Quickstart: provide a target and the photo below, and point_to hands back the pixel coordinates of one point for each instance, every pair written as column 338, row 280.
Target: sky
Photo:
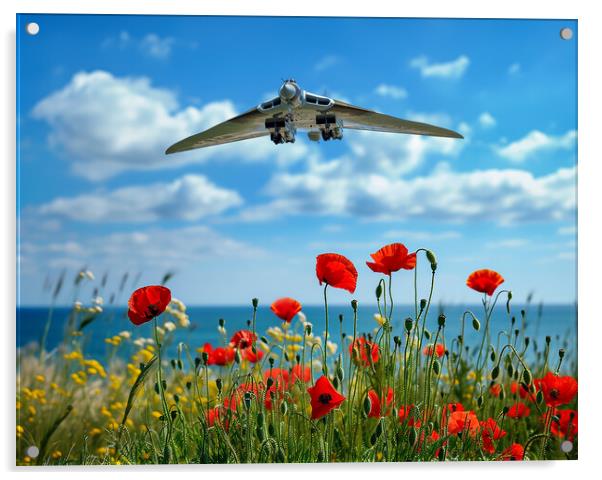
column 101, row 97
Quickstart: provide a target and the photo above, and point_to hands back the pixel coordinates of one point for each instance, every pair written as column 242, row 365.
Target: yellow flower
column 20, row 431
column 32, row 410
column 73, row 356
column 79, row 377
column 378, row 318
column 106, row 412
column 96, row 367
column 157, row 414
column 40, row 378
column 101, row 450
column 57, row 454
column 471, row 375
column 26, row 459
column 95, row 431
column 18, row 405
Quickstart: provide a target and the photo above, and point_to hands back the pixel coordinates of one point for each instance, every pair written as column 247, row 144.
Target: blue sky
column 101, row 97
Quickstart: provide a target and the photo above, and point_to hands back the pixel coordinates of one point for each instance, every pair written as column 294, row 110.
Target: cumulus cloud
column 418, row 235
column 452, row 69
column 155, row 46
column 105, row 125
column 391, row 91
column 187, row 198
column 508, row 243
column 153, row 248
column 501, row 196
column 486, row 120
column 536, row 142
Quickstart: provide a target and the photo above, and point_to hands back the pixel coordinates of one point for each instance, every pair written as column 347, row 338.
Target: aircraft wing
column 358, row 118
column 247, row 125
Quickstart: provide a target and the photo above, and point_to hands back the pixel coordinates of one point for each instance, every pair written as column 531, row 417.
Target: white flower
column 125, row 334
column 98, row 300
column 77, row 306
column 378, row 318
column 332, row 347
column 89, row 274
column 169, row 326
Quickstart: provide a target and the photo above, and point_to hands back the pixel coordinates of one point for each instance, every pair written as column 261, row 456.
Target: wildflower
column 243, row 339
column 300, row 373
column 359, row 352
column 515, row 388
column 392, row 258
column 439, row 350
column 407, row 413
column 95, row 431
column 519, row 410
column 490, row 431
column 557, row 390
column 74, row 355
column 286, row 308
column 178, row 304
column 495, row 389
column 331, row 347
column 20, row 431
column 378, row 318
column 337, row 271
column 324, row 398
column 251, row 356
column 514, row 452
column 566, row 425
column 125, row 334
column 375, row 405
column 57, row 454
column 484, row 281
column 147, row 303
column 156, row 414
column 169, row 326
column 450, row 407
column 460, row 421
column 219, row 356
column 276, row 333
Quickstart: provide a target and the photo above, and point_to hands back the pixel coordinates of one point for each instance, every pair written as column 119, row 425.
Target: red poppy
column 407, row 413
column 219, row 356
column 495, row 389
column 375, row 406
column 514, row 452
column 359, row 352
column 217, row 414
column 450, row 407
column 280, row 377
column 432, row 438
column 557, row 390
column 392, row 258
column 522, row 391
column 337, row 271
column 519, row 410
column 147, row 303
column 243, row 339
column 253, row 357
column 286, row 308
column 490, row 431
column 439, row 350
column 299, row 373
column 324, row 398
column 484, row 281
column 566, row 426
column 460, row 422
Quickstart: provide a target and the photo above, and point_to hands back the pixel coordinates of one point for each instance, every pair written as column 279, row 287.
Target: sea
column 559, row 322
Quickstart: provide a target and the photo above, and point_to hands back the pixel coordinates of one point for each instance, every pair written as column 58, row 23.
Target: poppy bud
column 539, row 397
column 427, row 334
column 492, row 356
column 354, row 305
column 367, row 406
column 379, row 428
column 157, row 391
column 260, row 432
column 460, row 339
column 480, row 401
column 508, row 302
column 188, row 385
column 397, row 340
column 176, row 398
column 527, row 377
column 335, row 383
column 174, row 414
column 412, row 436
column 561, row 353
column 247, row 400
column 436, row 367
column 263, row 340
column 286, row 357
column 271, row 429
column 180, row 365
column 502, row 392
column 495, row 372
column 513, row 321
column 237, row 357
column 527, row 340
column 164, row 384
column 409, row 323
column 510, row 370
column 269, row 382
column 340, row 373
column 432, row 259
column 379, row 290
column 308, row 329
column 283, row 408
column 505, row 410
column 221, row 322
column 422, row 304
column 205, row 357
column 219, row 384
column 255, row 302
column 173, row 363
column 197, row 362
column 373, row 439
column 476, row 324
column 441, row 320
column 548, row 339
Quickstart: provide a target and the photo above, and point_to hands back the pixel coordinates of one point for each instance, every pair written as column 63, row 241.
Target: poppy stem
column 325, row 367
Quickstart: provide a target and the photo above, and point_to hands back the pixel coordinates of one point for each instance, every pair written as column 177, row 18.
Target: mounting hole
column 566, row 446
column 32, row 28
column 566, row 33
column 32, row 451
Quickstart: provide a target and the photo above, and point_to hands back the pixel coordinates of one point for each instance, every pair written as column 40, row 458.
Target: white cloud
column 187, row 198
column 391, row 91
column 156, row 46
column 417, row 235
column 508, row 243
column 452, row 69
column 568, row 230
column 500, row 196
column 536, row 142
column 105, row 125
column 326, row 63
column 486, row 120
column 147, row 249
column 514, row 69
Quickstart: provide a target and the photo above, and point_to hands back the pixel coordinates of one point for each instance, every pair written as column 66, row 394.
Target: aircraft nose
column 287, row 91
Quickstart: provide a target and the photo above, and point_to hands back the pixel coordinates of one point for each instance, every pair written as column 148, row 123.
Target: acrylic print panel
column 238, row 244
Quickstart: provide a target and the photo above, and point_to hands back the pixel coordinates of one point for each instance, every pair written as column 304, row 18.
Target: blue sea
column 557, row 321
